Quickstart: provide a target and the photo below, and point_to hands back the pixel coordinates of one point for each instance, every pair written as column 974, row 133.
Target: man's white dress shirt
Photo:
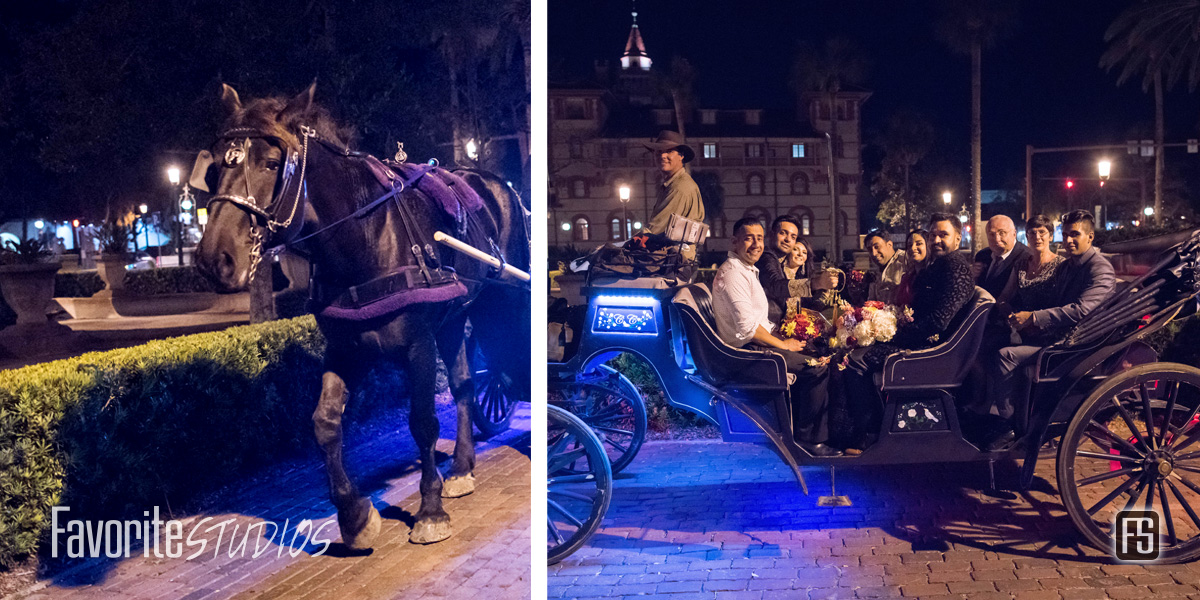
column 739, row 302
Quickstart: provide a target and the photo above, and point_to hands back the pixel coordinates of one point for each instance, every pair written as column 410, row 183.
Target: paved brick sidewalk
column 714, row 520
column 488, row 557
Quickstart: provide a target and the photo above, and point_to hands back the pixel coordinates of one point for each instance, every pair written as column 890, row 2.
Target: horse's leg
column 452, row 345
column 433, row 524
column 357, row 518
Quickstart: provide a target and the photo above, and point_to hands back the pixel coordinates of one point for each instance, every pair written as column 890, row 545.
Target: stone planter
column 28, row 289
column 112, row 271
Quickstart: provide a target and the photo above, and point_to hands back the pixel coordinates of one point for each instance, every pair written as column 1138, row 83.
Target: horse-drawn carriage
column 1126, row 425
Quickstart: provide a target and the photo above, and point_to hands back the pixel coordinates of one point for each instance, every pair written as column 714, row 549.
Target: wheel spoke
column 1187, row 423
column 567, row 479
column 566, row 515
column 1188, row 468
column 1150, row 496
column 614, row 430
column 1148, row 416
column 558, row 538
column 1125, row 416
column 1186, row 507
column 1112, row 495
column 1116, row 439
column 1114, row 457
column 573, row 496
column 1106, row 476
column 565, row 459
column 616, row 445
column 1185, row 481
column 1136, row 495
column 1166, row 505
column 1172, row 394
column 1191, row 437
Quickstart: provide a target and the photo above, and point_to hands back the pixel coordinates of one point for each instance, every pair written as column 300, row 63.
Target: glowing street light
column 946, row 198
column 566, row 226
column 1148, row 211
column 472, row 150
column 623, row 191
column 1104, row 167
column 173, row 175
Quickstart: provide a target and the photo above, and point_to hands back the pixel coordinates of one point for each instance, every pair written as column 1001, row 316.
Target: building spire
column 635, row 49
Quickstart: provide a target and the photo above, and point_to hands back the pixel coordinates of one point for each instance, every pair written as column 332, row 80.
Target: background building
column 749, row 161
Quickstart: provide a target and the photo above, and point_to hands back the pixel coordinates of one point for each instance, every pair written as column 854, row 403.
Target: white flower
column 912, row 412
column 901, row 424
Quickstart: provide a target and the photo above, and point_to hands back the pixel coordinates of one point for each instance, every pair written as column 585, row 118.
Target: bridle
column 280, row 228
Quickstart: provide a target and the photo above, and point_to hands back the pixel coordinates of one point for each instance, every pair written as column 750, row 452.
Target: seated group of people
column 1039, row 295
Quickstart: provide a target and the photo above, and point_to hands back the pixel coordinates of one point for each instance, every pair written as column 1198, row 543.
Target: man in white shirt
column 740, row 306
column 892, row 265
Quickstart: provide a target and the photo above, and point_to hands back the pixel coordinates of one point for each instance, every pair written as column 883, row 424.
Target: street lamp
column 472, row 150
column 1104, row 167
column 624, row 191
column 173, row 177
column 946, row 198
column 143, row 209
column 1148, row 211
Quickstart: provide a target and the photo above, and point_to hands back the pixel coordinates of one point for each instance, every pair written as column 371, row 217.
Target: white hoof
column 365, row 538
column 457, row 487
column 429, row 531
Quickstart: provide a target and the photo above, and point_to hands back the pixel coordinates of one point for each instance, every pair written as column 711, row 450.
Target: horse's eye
column 272, row 165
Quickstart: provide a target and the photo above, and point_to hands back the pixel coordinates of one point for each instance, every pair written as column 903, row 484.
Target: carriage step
column 833, row 499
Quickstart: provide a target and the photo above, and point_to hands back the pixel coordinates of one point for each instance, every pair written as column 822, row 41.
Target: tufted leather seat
column 720, row 364
column 946, row 364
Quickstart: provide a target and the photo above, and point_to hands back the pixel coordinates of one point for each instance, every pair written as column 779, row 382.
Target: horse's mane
column 264, row 114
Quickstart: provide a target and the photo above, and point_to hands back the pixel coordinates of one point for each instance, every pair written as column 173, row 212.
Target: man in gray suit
column 1083, row 281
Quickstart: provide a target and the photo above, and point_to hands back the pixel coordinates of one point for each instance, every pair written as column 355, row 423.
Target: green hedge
column 77, row 284
column 166, row 280
column 115, row 433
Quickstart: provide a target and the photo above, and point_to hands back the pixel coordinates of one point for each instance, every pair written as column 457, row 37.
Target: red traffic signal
column 1070, row 183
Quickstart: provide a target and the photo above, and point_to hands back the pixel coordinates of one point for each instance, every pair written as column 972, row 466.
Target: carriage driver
column 740, row 306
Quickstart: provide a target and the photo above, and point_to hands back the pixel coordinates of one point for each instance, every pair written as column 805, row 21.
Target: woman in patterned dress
column 1035, row 279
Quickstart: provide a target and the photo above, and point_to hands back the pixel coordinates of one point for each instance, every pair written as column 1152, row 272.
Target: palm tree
column 907, row 139
column 827, row 70
column 1159, row 41
column 678, row 82
column 968, row 27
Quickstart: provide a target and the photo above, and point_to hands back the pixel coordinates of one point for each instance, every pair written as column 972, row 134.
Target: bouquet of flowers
column 872, row 322
column 804, row 325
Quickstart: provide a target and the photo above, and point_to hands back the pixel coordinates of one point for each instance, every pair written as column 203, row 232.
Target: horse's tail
column 508, row 213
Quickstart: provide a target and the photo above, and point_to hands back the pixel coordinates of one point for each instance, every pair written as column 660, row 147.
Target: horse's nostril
column 226, row 266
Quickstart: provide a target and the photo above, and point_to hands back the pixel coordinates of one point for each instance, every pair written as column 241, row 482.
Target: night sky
column 1041, row 85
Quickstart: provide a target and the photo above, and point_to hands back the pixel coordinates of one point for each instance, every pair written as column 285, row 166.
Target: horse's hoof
column 431, row 530
column 366, row 538
column 457, row 487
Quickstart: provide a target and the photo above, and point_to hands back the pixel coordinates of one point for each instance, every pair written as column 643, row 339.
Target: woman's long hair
column 806, row 269
column 908, row 242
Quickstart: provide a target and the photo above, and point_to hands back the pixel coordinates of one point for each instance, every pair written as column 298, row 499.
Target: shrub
column 79, row 284
column 111, row 434
column 662, row 416
column 168, row 280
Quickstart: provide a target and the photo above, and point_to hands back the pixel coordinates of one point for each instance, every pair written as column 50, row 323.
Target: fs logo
column 1136, row 535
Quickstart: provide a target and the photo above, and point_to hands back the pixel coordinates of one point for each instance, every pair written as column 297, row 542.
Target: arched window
column 579, row 231
column 805, row 215
column 800, row 184
column 718, row 226
column 615, row 230
column 579, row 188
column 754, row 184
column 759, row 214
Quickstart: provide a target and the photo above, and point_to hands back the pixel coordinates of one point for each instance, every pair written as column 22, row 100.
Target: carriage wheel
column 575, row 501
column 1131, row 445
column 604, row 402
column 495, row 400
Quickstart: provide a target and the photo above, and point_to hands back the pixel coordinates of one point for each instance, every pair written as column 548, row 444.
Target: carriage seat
column 720, row 364
column 946, row 364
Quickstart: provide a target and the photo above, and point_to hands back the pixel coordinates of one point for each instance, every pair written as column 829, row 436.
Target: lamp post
column 624, row 191
column 1104, row 169
column 946, row 198
column 143, row 209
column 173, row 177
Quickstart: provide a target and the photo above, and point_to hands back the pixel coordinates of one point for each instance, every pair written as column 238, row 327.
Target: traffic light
column 1070, row 183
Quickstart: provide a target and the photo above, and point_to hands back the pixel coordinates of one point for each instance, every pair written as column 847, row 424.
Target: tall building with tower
column 750, row 161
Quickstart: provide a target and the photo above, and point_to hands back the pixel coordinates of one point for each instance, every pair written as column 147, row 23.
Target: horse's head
column 255, row 177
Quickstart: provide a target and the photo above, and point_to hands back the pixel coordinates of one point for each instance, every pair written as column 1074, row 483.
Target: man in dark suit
column 996, row 266
column 785, row 233
column 939, row 292
column 1083, row 282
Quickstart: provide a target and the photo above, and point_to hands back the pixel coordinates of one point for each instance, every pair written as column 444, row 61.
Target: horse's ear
column 229, row 98
column 301, row 103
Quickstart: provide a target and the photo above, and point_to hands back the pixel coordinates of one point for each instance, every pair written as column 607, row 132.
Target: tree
column 969, row 27
column 678, row 82
column 827, row 70
column 906, row 141
column 1157, row 40
column 712, row 192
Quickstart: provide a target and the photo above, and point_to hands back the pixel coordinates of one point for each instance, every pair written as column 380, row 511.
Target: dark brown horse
column 382, row 289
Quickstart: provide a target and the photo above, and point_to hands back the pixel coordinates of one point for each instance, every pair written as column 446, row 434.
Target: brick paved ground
column 488, row 557
column 702, row 520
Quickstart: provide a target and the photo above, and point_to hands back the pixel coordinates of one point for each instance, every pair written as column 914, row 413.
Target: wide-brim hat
column 671, row 140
